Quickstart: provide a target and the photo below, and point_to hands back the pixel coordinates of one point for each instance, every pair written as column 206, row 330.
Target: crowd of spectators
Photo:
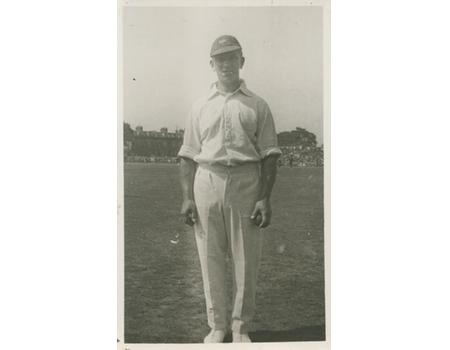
column 146, row 159
column 299, row 147
column 298, row 156
column 292, row 156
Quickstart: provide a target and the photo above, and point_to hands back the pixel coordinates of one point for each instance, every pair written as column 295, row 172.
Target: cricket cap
column 224, row 43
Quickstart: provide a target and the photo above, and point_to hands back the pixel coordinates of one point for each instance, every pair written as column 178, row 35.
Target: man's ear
column 242, row 61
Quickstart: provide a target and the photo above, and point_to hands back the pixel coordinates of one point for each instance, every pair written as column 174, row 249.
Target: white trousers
column 225, row 198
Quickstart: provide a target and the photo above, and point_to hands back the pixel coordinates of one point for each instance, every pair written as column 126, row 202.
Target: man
column 228, row 168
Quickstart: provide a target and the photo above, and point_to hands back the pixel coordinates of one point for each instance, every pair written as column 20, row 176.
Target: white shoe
column 215, row 336
column 241, row 338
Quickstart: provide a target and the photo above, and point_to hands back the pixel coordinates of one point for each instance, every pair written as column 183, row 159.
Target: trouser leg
column 212, row 247
column 246, row 252
column 245, row 241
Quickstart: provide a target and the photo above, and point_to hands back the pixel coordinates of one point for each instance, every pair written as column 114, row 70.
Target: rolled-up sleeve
column 191, row 140
column 266, row 135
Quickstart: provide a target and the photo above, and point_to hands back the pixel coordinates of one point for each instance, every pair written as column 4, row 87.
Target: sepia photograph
column 223, row 155
column 166, row 178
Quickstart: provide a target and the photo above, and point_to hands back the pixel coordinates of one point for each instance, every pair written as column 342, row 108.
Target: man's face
column 227, row 66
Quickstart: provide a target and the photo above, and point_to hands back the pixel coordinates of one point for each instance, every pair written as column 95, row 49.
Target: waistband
column 235, row 169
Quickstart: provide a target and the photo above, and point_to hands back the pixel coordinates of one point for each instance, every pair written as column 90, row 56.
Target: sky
column 166, row 62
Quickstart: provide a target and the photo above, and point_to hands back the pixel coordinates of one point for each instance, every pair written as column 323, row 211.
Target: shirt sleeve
column 191, row 140
column 266, row 135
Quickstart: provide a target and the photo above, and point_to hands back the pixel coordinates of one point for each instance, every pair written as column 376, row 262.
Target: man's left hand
column 262, row 213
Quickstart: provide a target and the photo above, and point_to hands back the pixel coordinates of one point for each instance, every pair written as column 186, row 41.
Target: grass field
column 164, row 300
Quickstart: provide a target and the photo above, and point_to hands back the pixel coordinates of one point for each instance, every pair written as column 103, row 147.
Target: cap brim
column 224, row 50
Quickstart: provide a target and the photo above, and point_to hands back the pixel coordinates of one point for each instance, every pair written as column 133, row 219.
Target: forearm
column 187, row 175
column 268, row 176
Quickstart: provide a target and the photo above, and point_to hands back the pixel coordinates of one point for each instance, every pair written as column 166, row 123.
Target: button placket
column 227, row 119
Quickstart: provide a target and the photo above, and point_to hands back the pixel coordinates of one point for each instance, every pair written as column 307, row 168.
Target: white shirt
column 229, row 129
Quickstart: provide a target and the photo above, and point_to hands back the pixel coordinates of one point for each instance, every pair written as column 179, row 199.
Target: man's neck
column 228, row 88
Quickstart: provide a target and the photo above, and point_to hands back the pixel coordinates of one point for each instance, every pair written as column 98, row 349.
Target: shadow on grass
column 307, row 333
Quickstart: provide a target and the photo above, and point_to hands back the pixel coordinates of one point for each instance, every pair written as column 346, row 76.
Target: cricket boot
column 215, row 336
column 241, row 338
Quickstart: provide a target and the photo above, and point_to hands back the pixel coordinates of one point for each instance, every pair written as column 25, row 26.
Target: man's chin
column 229, row 80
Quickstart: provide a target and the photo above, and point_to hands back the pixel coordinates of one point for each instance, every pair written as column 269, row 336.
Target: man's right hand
column 189, row 211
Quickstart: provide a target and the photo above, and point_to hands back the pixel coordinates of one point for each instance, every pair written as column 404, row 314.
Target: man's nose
column 225, row 64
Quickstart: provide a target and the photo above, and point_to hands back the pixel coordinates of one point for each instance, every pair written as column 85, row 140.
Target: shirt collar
column 242, row 87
